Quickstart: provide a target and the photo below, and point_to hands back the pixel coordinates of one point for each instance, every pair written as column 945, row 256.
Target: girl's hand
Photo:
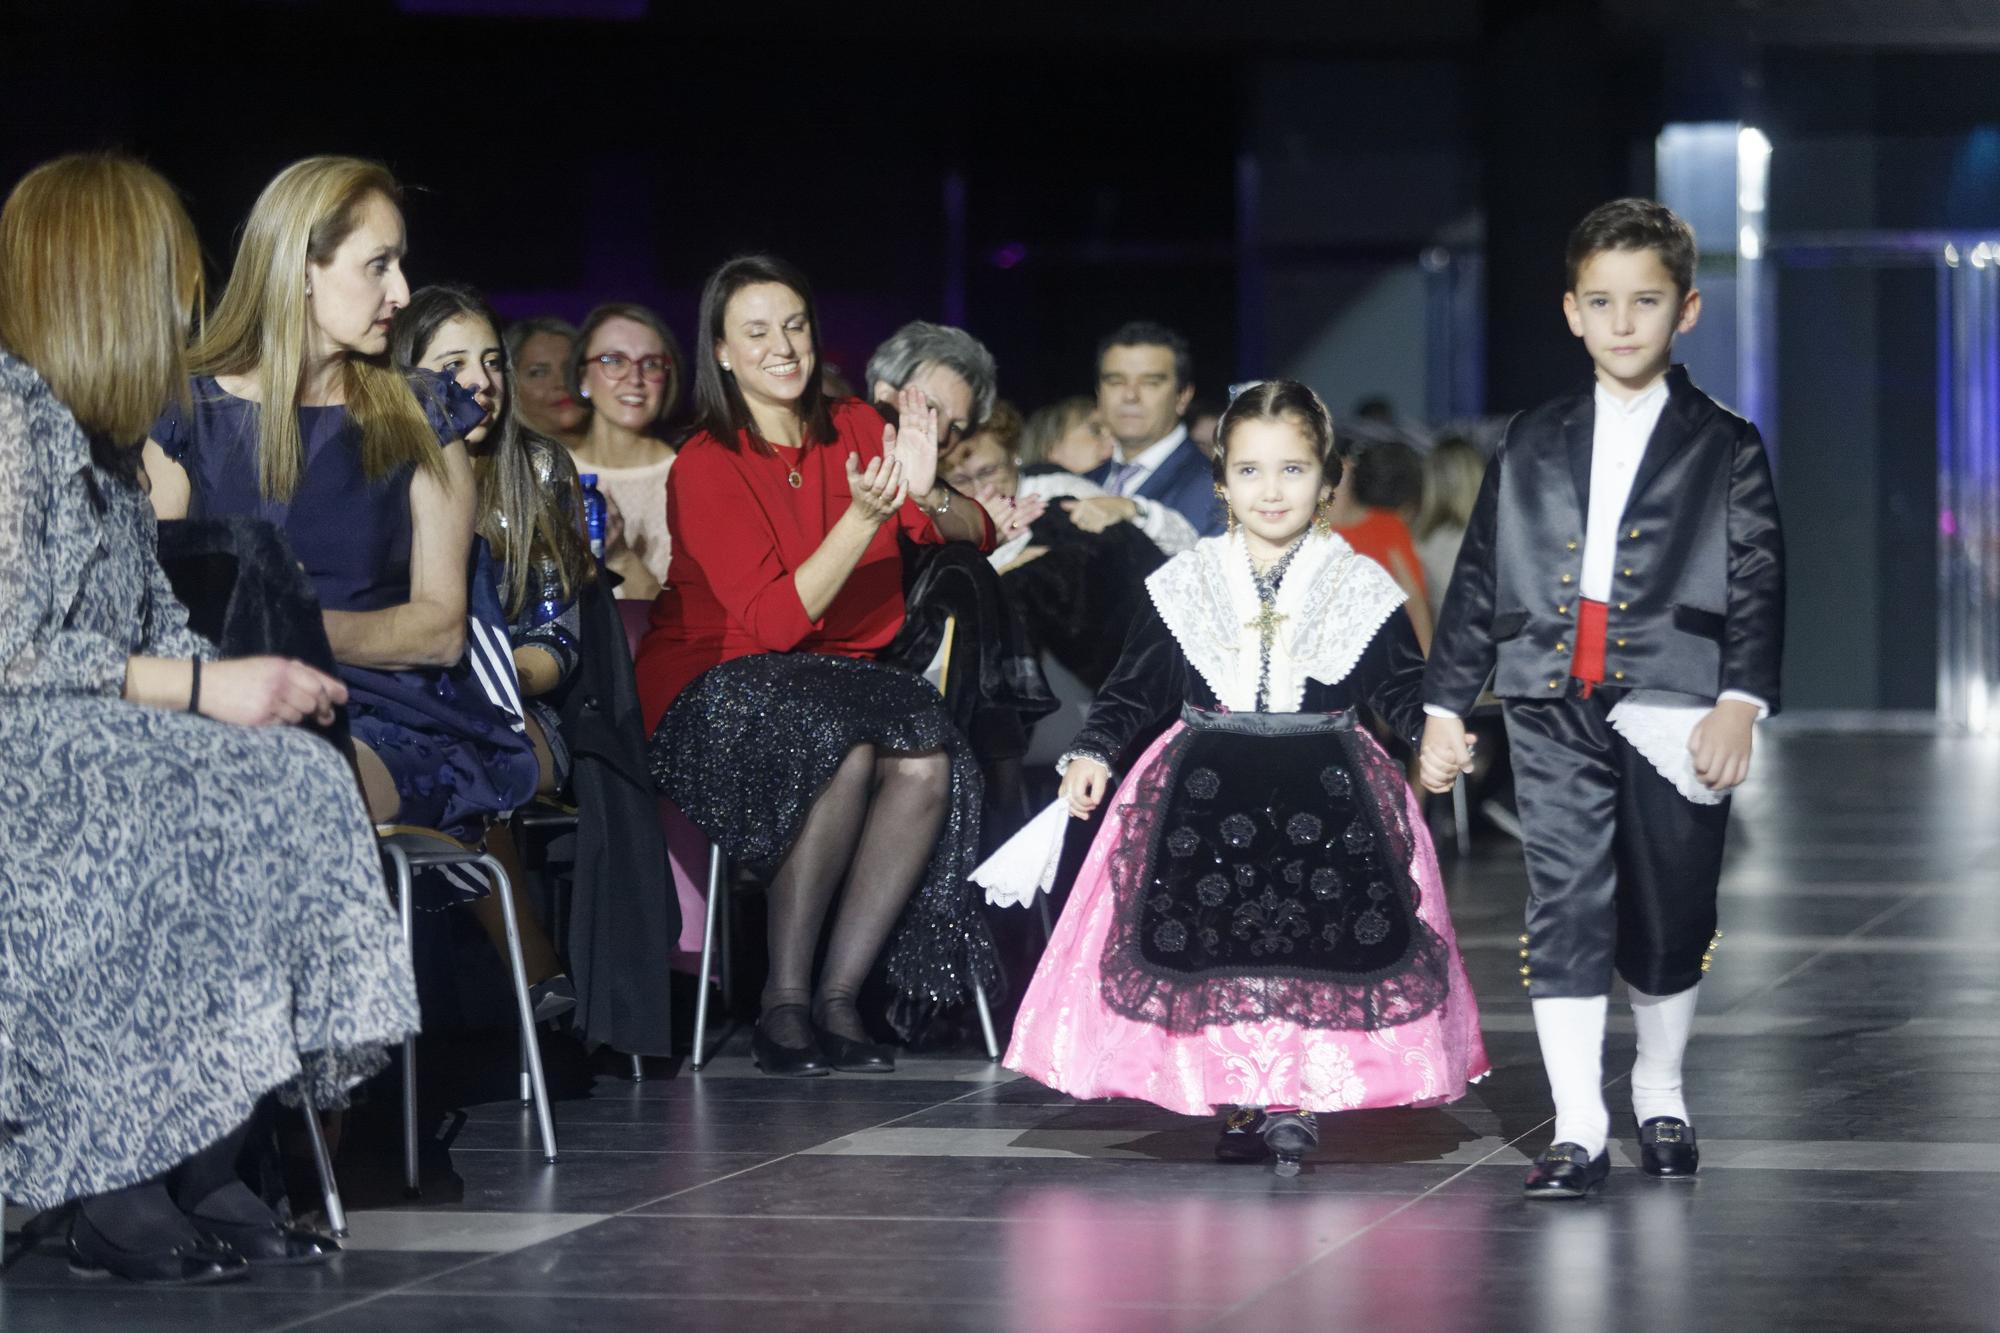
column 1445, row 753
column 914, row 443
column 1083, row 786
column 268, row 691
column 877, row 491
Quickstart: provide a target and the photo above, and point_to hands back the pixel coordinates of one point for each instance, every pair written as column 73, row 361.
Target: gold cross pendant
column 1266, row 624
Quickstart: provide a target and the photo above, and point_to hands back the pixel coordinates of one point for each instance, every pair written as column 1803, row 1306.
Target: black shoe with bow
column 1565, row 1171
column 1667, row 1148
column 1242, row 1138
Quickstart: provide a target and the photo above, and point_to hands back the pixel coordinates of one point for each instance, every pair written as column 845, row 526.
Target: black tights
column 875, row 824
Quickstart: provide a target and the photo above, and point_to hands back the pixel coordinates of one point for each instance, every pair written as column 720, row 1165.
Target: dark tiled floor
column 1846, row 1077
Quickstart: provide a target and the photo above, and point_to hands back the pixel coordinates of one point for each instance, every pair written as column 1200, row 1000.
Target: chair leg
column 700, row 1056
column 985, row 1020
column 336, row 1216
column 638, row 1070
column 497, row 876
column 527, row 1084
column 406, row 906
column 1461, row 816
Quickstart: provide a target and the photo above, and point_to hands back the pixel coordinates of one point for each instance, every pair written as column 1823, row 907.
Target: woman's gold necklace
column 792, row 475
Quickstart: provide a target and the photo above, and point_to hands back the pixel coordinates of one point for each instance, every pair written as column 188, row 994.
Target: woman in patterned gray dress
column 191, row 909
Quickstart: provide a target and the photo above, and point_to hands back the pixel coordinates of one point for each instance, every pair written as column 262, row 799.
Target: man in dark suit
column 1145, row 381
column 1622, row 579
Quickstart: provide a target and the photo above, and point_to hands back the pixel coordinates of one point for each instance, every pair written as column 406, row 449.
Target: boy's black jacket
column 1698, row 587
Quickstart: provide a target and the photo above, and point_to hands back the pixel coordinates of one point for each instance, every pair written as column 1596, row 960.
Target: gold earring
column 1228, row 512
column 1322, row 521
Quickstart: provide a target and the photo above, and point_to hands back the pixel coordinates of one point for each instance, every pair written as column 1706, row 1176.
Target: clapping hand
column 879, row 490
column 914, row 441
column 1012, row 515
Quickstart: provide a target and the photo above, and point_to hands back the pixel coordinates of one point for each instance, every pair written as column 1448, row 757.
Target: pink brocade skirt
column 1066, row 1037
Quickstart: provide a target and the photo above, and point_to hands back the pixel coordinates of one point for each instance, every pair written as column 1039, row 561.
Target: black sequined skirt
column 746, row 750
column 1263, row 871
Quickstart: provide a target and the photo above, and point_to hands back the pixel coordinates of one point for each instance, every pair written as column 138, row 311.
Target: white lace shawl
column 1332, row 601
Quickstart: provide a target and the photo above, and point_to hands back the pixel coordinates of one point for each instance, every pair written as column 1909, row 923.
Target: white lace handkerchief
column 1025, row 864
column 1658, row 727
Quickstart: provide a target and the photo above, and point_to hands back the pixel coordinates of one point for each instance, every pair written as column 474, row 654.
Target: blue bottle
column 593, row 514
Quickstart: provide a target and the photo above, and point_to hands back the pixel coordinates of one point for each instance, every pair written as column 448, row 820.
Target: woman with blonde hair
column 297, row 416
column 1452, row 475
column 191, row 909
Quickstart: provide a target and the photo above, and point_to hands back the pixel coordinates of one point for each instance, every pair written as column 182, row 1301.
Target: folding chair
column 409, row 849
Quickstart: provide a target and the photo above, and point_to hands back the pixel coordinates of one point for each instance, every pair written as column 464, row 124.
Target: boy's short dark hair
column 1145, row 333
column 1634, row 224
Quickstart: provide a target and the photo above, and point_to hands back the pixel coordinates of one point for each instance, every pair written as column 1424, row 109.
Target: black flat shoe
column 1242, row 1138
column 188, row 1264
column 551, row 997
column 1564, row 1171
column 1667, row 1148
column 1290, row 1135
column 270, row 1244
column 806, row 1061
column 854, row 1057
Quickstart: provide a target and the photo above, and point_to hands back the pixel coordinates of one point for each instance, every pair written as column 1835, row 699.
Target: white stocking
column 1571, row 1031
column 1663, row 1023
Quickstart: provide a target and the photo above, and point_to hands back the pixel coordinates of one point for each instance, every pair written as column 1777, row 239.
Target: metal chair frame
column 408, row 850
column 543, row 813
column 717, row 923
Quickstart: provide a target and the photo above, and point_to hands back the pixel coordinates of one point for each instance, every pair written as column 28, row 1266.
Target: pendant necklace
column 1268, row 619
column 792, row 473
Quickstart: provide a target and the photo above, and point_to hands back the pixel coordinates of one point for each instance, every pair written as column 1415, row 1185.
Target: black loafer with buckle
column 1667, row 1148
column 1242, row 1138
column 1565, row 1171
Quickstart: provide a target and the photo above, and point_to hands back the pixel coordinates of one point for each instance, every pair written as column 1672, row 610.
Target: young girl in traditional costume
column 1260, row 924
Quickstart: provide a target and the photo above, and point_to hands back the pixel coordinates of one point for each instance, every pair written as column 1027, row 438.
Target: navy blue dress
column 458, row 758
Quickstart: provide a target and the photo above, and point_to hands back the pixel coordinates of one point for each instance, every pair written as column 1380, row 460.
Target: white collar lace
column 1332, row 602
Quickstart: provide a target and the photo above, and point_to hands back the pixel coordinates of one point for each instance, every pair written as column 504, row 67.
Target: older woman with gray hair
column 950, row 367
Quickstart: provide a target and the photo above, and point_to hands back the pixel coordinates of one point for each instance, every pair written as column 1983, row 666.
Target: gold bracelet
column 942, row 509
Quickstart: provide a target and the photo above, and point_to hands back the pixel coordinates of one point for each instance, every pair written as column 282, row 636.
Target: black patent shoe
column 854, row 1057
column 1290, row 1135
column 191, row 1263
column 1242, row 1138
column 806, row 1061
column 1564, row 1171
column 1667, row 1148
column 270, row 1244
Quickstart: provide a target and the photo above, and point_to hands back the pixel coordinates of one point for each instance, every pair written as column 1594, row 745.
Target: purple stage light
column 622, row 11
column 1010, row 255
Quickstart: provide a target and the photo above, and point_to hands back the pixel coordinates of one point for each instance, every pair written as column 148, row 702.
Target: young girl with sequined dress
column 1260, row 925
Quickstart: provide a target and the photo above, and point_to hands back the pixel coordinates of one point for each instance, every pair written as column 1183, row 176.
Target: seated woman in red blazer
column 778, row 733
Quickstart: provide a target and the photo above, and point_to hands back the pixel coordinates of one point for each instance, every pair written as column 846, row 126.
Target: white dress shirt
column 1128, row 475
column 1617, row 444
